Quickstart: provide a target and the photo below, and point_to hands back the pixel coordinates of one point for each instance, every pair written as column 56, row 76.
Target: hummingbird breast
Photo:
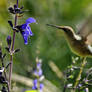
column 78, row 46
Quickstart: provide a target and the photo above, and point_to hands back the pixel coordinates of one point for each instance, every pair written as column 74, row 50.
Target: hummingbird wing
column 89, row 39
column 86, row 29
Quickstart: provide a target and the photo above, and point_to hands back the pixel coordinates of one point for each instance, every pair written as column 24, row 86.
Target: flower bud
column 4, row 89
column 10, row 23
column 9, row 41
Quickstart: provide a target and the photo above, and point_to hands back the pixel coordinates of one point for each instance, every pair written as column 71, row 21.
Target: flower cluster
column 37, row 82
column 24, row 29
column 15, row 10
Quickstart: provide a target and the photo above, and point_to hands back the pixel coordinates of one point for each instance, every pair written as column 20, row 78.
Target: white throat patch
column 77, row 37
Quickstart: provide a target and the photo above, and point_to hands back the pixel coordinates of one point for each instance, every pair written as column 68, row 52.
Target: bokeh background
column 47, row 43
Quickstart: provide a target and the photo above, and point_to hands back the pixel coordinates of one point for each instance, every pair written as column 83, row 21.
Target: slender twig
column 12, row 49
column 79, row 75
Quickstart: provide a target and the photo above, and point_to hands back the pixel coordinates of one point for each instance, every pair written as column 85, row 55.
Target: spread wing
column 89, row 39
column 86, row 30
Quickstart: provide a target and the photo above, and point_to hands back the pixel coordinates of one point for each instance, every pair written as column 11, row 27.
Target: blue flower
column 26, row 30
column 35, row 84
column 39, row 65
column 41, row 87
column 38, row 73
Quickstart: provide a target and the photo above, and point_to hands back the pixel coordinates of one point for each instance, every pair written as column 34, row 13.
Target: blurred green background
column 47, row 43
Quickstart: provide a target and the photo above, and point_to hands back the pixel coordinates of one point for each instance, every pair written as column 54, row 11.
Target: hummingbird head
column 67, row 30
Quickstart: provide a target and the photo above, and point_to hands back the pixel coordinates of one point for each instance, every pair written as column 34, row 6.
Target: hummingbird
column 80, row 42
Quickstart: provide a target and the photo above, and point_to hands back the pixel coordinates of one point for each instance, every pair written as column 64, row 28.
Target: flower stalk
column 79, row 75
column 12, row 49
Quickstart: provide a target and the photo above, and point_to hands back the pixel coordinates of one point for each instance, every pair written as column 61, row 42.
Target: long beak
column 59, row 27
column 64, row 28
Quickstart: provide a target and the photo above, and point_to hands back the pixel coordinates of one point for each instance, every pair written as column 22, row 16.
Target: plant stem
column 79, row 75
column 11, row 51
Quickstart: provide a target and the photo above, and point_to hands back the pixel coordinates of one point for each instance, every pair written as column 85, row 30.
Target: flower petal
column 30, row 20
column 23, row 26
column 29, row 29
column 40, row 72
column 39, row 65
column 41, row 86
column 35, row 84
column 25, row 37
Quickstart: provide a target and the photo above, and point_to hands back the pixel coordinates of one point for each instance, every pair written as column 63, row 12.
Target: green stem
column 79, row 75
column 12, row 49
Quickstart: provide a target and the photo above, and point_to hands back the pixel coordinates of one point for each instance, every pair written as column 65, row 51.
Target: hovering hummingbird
column 80, row 42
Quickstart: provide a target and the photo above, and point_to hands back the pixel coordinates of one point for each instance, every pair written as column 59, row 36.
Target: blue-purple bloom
column 41, row 87
column 38, row 73
column 26, row 30
column 39, row 64
column 35, row 84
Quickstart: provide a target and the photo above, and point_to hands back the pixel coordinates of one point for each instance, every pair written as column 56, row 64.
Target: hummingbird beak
column 59, row 27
